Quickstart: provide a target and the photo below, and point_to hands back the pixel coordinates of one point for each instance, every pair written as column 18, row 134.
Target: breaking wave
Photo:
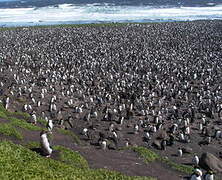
column 96, row 12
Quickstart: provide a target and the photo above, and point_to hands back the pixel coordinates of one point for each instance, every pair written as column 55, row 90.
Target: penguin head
column 210, row 172
column 43, row 132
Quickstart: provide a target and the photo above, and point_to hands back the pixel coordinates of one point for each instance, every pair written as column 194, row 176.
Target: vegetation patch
column 14, row 121
column 179, row 167
column 42, row 122
column 67, row 156
column 146, row 154
column 20, row 115
column 71, row 158
column 8, row 130
column 18, row 161
column 3, row 115
column 7, row 113
column 150, row 156
column 23, row 124
column 71, row 134
column 32, row 145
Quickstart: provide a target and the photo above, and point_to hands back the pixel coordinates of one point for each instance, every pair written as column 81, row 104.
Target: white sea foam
column 106, row 12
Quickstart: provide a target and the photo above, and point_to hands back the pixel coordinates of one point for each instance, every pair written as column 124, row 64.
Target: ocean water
column 45, row 12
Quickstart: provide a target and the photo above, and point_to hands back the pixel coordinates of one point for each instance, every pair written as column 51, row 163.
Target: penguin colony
column 119, row 85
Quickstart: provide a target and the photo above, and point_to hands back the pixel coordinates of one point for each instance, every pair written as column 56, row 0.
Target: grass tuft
column 71, row 158
column 23, row 124
column 8, row 130
column 32, row 144
column 179, row 167
column 150, row 156
column 17, row 122
column 42, row 121
column 146, row 154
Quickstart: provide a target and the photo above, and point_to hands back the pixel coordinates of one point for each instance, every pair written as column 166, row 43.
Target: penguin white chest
column 209, row 177
column 194, row 177
column 45, row 144
column 103, row 145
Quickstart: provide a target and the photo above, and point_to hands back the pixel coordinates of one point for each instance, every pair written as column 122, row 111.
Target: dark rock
column 112, row 146
column 162, row 135
column 187, row 150
column 210, row 162
column 157, row 144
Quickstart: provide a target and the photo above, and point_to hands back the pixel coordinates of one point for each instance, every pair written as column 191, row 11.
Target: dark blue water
column 41, row 12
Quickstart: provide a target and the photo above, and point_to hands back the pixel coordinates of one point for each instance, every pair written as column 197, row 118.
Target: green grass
column 179, row 167
column 23, row 124
column 21, row 115
column 71, row 158
column 8, row 130
column 3, row 112
column 7, row 113
column 17, row 161
column 71, row 134
column 146, row 154
column 15, row 121
column 150, row 156
column 32, row 144
column 3, row 115
column 66, row 155
column 42, row 121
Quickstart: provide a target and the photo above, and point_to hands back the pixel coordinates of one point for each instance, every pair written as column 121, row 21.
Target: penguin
column 49, row 125
column 171, row 140
column 146, row 136
column 25, row 107
column 174, row 128
column 208, row 139
column 136, row 129
column 33, row 118
column 163, row 144
column 127, row 144
column 181, row 137
column 209, row 175
column 7, row 103
column 218, row 134
column 39, row 104
column 84, row 131
column 180, row 152
column 195, row 160
column 200, row 127
column 196, row 175
column 121, row 120
column 103, row 145
column 111, row 127
column 45, row 146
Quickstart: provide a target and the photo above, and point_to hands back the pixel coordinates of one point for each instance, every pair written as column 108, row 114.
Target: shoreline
column 109, row 24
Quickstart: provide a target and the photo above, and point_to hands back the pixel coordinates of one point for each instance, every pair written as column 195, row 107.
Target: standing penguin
column 136, row 129
column 103, row 145
column 33, row 118
column 7, row 103
column 196, row 175
column 49, row 125
column 209, row 175
column 45, row 146
column 163, row 144
column 179, row 152
column 195, row 160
